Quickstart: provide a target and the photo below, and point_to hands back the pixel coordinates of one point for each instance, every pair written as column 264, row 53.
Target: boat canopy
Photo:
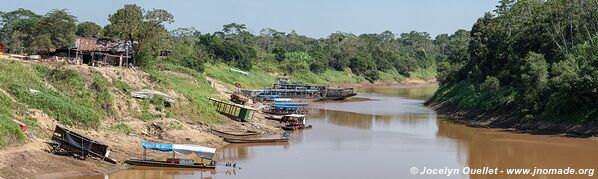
column 296, row 115
column 286, row 107
column 283, row 100
column 201, row 151
column 267, row 96
column 291, row 104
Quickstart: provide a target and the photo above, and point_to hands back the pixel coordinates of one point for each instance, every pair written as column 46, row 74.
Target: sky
column 314, row 18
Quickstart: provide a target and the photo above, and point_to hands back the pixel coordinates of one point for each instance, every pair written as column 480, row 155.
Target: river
column 386, row 137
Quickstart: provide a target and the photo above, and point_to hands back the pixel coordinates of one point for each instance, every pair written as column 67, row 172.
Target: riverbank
column 478, row 118
column 96, row 102
column 121, row 121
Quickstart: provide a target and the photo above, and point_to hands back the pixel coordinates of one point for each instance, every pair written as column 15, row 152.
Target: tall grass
column 68, row 100
column 194, row 87
column 9, row 130
column 256, row 78
column 423, row 74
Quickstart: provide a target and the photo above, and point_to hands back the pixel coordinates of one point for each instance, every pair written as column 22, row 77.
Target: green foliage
column 195, row 88
column 186, row 54
column 423, row 74
column 256, row 78
column 159, row 102
column 226, row 50
column 296, row 62
column 102, row 93
column 134, row 24
column 122, row 86
column 70, row 103
column 89, row 29
column 17, row 29
column 57, row 27
column 534, row 59
column 9, row 130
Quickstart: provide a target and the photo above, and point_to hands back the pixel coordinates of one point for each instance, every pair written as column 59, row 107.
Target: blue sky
column 314, row 18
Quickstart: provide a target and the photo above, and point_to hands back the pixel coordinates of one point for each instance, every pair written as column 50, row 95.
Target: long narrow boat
column 233, row 140
column 274, row 118
column 235, row 133
column 155, row 163
column 290, row 128
column 200, row 151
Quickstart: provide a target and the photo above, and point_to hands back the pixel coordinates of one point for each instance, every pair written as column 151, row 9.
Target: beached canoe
column 155, row 163
column 225, row 134
column 290, row 128
column 274, row 118
column 234, row 140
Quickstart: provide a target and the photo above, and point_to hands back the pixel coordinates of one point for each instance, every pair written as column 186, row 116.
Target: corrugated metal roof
column 101, row 45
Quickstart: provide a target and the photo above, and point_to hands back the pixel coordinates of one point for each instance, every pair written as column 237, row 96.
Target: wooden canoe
column 290, row 128
column 155, row 163
column 233, row 140
column 274, row 118
column 235, row 133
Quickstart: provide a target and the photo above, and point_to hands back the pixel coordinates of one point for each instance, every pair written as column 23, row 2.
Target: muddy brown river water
column 390, row 136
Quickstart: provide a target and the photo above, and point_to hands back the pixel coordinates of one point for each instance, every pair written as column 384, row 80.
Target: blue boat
column 200, row 151
column 292, row 104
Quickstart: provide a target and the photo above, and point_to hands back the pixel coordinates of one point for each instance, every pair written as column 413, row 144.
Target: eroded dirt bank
column 477, row 118
column 32, row 159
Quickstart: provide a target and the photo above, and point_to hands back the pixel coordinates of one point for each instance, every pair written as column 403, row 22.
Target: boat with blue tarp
column 185, row 149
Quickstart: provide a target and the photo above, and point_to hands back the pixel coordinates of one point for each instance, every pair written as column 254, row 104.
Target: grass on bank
column 9, row 130
column 59, row 92
column 257, row 78
column 193, row 86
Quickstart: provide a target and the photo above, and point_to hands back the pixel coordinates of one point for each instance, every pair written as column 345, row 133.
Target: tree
column 20, row 21
column 89, row 29
column 145, row 29
column 57, row 25
column 42, row 44
column 533, row 79
column 16, row 44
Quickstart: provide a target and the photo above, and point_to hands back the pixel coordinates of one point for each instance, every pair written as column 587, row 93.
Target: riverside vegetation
column 533, row 64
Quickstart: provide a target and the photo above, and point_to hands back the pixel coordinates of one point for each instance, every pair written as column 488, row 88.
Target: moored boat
column 155, row 163
column 237, row 140
column 224, row 134
column 337, row 94
column 200, row 151
column 290, row 128
column 274, row 118
column 294, row 122
column 284, row 110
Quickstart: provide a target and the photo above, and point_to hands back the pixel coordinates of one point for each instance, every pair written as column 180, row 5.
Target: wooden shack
column 233, row 111
column 99, row 51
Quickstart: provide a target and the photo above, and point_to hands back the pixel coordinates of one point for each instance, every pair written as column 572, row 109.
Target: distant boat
column 337, row 94
column 200, row 151
column 294, row 122
column 291, row 128
column 284, row 109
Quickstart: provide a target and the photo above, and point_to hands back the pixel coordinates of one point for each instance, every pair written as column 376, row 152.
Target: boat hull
column 154, row 163
column 230, row 140
column 291, row 128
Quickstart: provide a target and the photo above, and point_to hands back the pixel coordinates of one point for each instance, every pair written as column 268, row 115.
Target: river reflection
column 383, row 138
